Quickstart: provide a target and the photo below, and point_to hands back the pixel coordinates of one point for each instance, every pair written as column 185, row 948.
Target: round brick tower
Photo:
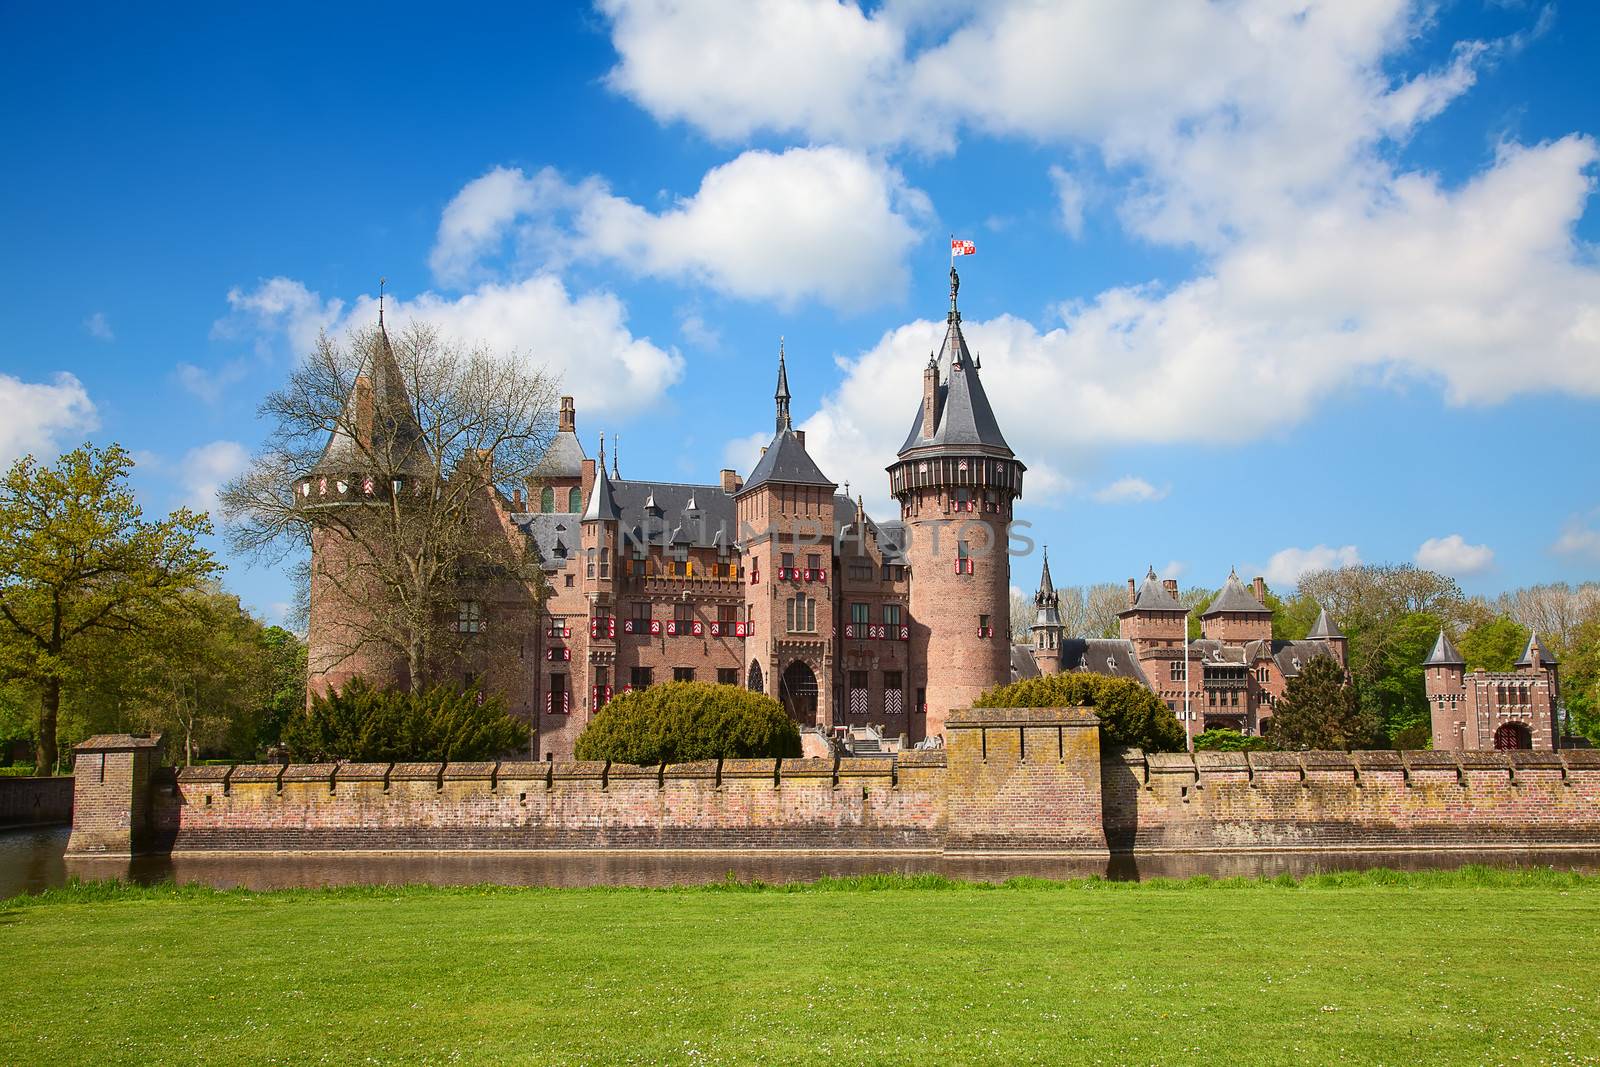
column 956, row 480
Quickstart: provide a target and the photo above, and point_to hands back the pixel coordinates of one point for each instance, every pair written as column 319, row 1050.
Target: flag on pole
column 962, row 248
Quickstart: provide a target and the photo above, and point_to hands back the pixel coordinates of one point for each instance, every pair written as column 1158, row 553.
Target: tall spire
column 955, row 286
column 602, row 452
column 381, row 283
column 1046, row 586
column 616, row 452
column 782, row 395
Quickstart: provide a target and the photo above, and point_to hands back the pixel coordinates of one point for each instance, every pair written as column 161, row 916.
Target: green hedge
column 679, row 722
column 1220, row 740
column 363, row 723
column 1130, row 714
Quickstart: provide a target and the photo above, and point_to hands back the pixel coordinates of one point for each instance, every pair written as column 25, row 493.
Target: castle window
column 963, row 558
column 469, row 617
column 860, row 614
column 727, row 615
column 683, row 674
column 639, row 678
column 891, row 614
column 861, row 572
column 683, row 613
column 727, row 676
column 984, row 628
column 574, row 499
column 641, row 614
column 800, row 614
column 547, row 500
column 1175, row 671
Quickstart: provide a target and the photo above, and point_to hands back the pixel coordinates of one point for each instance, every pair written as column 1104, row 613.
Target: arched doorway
column 1513, row 735
column 798, row 692
column 754, row 682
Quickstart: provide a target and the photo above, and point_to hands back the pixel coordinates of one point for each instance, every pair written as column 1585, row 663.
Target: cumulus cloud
column 99, row 327
column 41, row 416
column 1287, row 565
column 584, row 339
column 208, row 384
column 1069, row 200
column 204, row 469
column 824, row 223
column 1580, row 538
column 1131, row 490
column 1452, row 555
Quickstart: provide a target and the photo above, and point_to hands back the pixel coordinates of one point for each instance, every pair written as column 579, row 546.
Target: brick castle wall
column 35, row 801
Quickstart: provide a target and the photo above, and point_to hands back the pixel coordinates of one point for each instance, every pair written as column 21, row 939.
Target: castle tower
column 1325, row 630
column 956, row 480
column 1238, row 615
column 1046, row 626
column 374, row 453
column 1444, row 679
column 1153, row 618
column 786, row 525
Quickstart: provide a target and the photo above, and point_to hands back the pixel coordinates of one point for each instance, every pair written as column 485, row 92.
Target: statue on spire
column 955, row 287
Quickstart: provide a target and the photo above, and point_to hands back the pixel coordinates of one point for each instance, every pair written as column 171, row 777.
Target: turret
column 956, row 480
column 1238, row 614
column 1325, row 630
column 786, row 523
column 1444, row 680
column 1153, row 618
column 1046, row 626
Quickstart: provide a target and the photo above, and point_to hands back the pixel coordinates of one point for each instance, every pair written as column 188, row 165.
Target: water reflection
column 32, row 860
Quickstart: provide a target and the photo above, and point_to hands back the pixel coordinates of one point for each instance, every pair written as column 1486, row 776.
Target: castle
column 777, row 582
column 1493, row 709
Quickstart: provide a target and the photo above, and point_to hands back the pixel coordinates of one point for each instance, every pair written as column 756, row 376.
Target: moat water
column 33, row 860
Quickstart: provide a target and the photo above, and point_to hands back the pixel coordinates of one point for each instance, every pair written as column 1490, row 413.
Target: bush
column 1130, row 714
column 1219, row 740
column 367, row 724
column 1413, row 738
column 684, row 721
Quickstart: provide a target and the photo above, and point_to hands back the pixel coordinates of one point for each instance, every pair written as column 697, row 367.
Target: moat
column 34, row 860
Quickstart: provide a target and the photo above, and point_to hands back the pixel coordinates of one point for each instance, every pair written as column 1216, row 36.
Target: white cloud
column 277, row 307
column 698, row 332
column 1131, row 490
column 41, row 415
column 204, row 469
column 583, row 339
column 207, row 385
column 99, row 327
column 1286, row 566
column 1452, row 555
column 1580, row 538
column 1069, row 200
column 823, row 223
column 1175, row 568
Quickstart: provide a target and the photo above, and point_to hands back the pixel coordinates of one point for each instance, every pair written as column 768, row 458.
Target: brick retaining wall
column 35, row 801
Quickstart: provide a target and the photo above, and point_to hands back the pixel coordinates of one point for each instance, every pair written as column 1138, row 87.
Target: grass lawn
column 1465, row 967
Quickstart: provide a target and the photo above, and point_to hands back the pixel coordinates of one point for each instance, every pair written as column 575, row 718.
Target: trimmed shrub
column 364, row 723
column 680, row 722
column 1130, row 714
column 1219, row 740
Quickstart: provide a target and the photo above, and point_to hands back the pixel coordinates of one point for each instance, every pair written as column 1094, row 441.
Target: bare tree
column 388, row 459
column 1553, row 611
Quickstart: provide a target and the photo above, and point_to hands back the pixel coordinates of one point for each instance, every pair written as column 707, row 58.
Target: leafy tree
column 285, row 658
column 680, row 722
column 1493, row 645
column 1392, row 689
column 363, row 723
column 1220, row 740
column 79, row 561
column 1580, row 679
column 1319, row 710
column 1130, row 714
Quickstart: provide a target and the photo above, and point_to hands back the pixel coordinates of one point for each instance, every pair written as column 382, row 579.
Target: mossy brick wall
column 1234, row 801
column 734, row 804
column 1023, row 779
column 35, row 801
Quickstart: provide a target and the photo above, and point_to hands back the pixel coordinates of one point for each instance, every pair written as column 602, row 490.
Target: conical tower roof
column 1047, row 601
column 1545, row 655
column 396, row 438
column 602, row 505
column 1236, row 599
column 786, row 459
column 1046, row 586
column 963, row 418
column 1153, row 596
column 1324, row 627
column 1444, row 654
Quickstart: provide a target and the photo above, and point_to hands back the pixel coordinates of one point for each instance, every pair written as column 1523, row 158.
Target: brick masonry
column 35, row 801
column 1010, row 780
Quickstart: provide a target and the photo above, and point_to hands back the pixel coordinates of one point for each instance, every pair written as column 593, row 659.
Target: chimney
column 801, row 434
column 930, row 397
column 731, row 482
column 363, row 411
column 569, row 415
column 1259, row 584
column 1132, row 595
column 587, row 483
column 516, row 499
column 1171, row 586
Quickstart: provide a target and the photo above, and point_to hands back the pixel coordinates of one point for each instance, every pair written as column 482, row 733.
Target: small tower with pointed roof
column 1444, row 681
column 786, row 523
column 956, row 479
column 1046, row 628
column 1154, row 618
column 1325, row 630
column 1238, row 614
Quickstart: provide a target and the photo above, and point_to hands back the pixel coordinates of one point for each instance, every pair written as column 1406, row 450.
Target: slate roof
column 1444, row 654
column 1102, row 655
column 602, row 498
column 1235, row 598
column 392, row 419
column 787, row 461
column 1153, row 596
column 1022, row 663
column 556, row 535
column 1292, row 656
column 963, row 418
column 1324, row 626
column 1545, row 655
column 564, row 458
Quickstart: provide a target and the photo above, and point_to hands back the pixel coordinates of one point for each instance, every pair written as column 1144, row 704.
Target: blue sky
column 1258, row 284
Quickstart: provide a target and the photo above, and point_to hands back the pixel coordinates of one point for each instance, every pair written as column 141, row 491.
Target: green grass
column 1472, row 966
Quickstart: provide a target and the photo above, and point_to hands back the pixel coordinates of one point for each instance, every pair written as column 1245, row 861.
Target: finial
column 381, row 283
column 955, row 286
column 602, row 453
column 616, row 451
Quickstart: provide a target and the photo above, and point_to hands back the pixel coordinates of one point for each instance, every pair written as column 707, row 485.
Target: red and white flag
column 962, row 248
